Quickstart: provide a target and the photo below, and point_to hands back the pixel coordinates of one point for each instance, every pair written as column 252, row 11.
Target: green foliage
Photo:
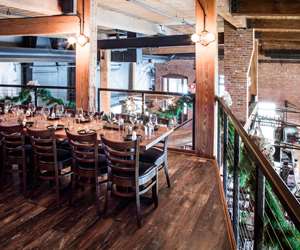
column 285, row 231
column 25, row 97
column 176, row 109
column 70, row 105
column 47, row 98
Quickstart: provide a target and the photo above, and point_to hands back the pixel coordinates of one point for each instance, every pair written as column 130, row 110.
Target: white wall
column 10, row 73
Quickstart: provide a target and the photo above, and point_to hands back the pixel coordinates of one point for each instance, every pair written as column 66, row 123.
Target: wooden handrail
column 183, row 124
column 287, row 199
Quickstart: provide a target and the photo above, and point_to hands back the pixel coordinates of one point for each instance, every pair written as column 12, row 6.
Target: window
column 174, row 83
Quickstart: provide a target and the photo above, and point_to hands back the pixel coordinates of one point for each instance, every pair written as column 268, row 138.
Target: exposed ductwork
column 28, row 55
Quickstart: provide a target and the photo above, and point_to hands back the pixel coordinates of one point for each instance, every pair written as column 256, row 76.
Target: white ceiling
column 176, row 15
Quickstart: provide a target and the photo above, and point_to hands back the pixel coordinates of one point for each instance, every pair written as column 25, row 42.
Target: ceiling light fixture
column 82, row 40
column 205, row 37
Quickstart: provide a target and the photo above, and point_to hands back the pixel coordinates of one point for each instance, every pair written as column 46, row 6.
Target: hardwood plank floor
column 190, row 216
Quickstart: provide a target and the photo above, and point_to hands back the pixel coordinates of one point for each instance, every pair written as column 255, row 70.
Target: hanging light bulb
column 206, row 38
column 72, row 40
column 195, row 38
column 82, row 40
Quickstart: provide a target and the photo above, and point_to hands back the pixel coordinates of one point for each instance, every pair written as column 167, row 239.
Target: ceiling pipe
column 15, row 54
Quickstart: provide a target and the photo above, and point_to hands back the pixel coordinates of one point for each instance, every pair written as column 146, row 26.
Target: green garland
column 25, row 97
column 288, row 234
column 174, row 111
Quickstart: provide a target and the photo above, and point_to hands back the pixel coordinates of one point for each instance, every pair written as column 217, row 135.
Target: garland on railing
column 174, row 110
column 277, row 223
column 25, row 97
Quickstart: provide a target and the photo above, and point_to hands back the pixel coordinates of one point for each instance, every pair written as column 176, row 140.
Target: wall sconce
column 205, row 37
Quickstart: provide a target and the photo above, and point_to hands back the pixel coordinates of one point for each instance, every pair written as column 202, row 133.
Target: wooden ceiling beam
column 170, row 50
column 277, row 36
column 280, row 45
column 265, row 8
column 39, row 25
column 46, row 7
column 145, row 42
column 224, row 11
column 274, row 25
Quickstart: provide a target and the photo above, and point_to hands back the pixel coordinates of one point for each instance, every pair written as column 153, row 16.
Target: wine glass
column 46, row 112
column 153, row 119
column 132, row 119
column 7, row 106
column 60, row 110
column 91, row 113
column 80, row 113
column 31, row 108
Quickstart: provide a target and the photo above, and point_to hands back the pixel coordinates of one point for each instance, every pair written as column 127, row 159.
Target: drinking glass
column 80, row 113
column 91, row 113
column 46, row 112
column 60, row 110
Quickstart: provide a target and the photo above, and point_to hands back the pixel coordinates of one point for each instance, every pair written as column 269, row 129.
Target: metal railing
column 264, row 213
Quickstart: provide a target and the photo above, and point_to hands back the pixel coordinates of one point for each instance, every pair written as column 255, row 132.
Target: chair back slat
column 123, row 161
column 13, row 139
column 84, row 147
column 44, row 148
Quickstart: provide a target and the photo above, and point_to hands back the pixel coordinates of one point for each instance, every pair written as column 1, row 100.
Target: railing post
column 194, row 123
column 236, row 189
column 259, row 209
column 143, row 103
column 99, row 103
column 220, row 113
column 225, row 143
column 35, row 97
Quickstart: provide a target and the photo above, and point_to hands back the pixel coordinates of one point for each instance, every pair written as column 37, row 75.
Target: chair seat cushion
column 145, row 168
column 64, row 158
column 63, row 154
column 152, row 155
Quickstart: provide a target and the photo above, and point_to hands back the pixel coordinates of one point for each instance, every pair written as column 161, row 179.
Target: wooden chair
column 159, row 156
column 88, row 163
column 13, row 152
column 128, row 176
column 50, row 163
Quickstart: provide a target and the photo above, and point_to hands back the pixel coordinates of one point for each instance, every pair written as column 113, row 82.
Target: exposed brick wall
column 278, row 82
column 177, row 67
column 238, row 46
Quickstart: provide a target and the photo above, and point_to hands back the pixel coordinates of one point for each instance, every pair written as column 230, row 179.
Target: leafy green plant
column 174, row 111
column 277, row 223
column 25, row 97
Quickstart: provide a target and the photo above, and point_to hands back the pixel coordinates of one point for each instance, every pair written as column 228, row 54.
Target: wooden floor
column 190, row 216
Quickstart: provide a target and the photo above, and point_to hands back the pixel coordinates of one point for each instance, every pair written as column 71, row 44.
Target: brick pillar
column 238, row 47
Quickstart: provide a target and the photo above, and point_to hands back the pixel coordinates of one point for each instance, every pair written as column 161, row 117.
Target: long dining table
column 147, row 141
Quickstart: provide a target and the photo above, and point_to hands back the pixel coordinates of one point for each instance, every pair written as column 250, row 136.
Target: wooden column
column 86, row 56
column 206, row 73
column 104, row 80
